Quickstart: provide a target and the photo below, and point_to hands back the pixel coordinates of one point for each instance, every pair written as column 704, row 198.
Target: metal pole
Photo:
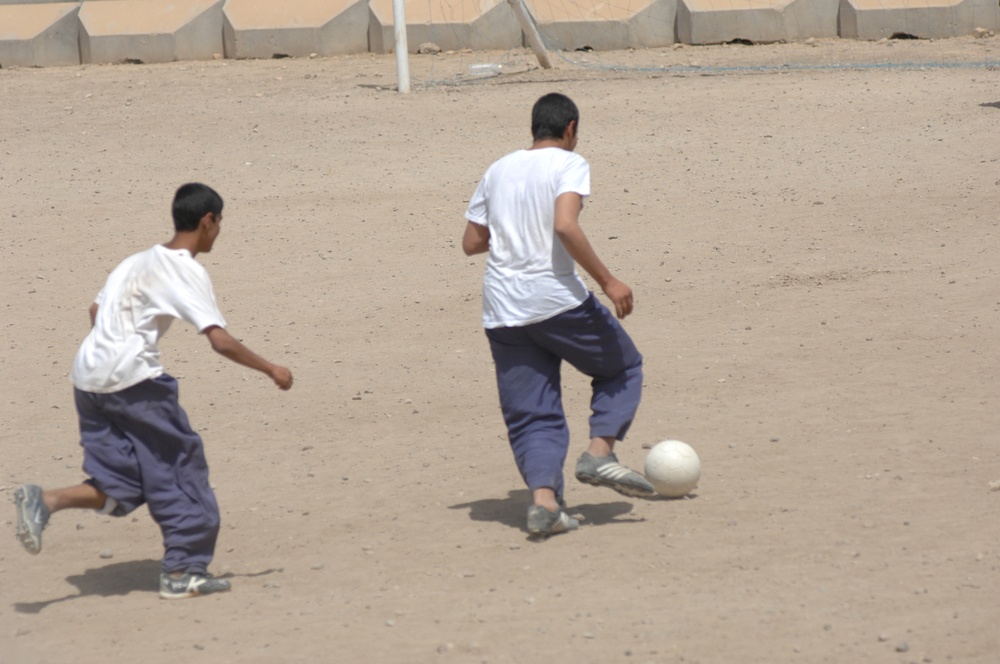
column 402, row 51
column 531, row 32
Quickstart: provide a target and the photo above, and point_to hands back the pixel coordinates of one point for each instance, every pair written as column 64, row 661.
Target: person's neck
column 549, row 143
column 187, row 241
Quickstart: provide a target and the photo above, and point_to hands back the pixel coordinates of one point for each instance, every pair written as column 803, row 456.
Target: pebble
column 106, row 553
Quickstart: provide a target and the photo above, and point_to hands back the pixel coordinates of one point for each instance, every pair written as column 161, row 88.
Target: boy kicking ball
column 538, row 312
column 138, row 445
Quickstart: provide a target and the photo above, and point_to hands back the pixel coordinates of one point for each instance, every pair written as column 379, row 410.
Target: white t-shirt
column 529, row 275
column 139, row 301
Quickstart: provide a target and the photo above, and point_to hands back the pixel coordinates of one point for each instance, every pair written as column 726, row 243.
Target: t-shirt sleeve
column 478, row 208
column 574, row 176
column 194, row 300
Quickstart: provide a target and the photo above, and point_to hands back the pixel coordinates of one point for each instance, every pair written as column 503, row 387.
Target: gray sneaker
column 543, row 523
column 32, row 517
column 191, row 585
column 606, row 471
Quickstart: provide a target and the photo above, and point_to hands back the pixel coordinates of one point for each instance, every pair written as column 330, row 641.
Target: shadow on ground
column 113, row 580
column 108, row 581
column 511, row 511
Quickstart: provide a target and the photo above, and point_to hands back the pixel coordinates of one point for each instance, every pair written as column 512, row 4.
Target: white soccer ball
column 673, row 468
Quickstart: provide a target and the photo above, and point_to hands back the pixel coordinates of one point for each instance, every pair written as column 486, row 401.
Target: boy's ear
column 570, row 129
column 206, row 220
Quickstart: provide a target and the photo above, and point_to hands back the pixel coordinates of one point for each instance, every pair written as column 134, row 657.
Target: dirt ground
column 811, row 233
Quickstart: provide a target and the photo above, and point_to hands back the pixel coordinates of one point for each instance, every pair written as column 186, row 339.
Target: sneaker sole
column 188, row 595
column 624, row 489
column 164, row 595
column 32, row 543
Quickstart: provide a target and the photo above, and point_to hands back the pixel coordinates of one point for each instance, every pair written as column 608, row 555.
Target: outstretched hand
column 621, row 295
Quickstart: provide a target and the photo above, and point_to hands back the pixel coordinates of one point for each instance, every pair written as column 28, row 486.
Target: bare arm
column 229, row 347
column 476, row 239
column 567, row 228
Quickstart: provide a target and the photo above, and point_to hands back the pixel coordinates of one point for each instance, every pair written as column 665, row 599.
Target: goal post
column 402, row 50
column 531, row 32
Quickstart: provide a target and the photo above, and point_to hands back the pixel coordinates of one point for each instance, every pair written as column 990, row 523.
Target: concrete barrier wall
column 43, row 33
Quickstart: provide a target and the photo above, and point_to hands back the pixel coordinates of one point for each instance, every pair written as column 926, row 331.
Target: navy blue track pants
column 140, row 449
column 528, row 361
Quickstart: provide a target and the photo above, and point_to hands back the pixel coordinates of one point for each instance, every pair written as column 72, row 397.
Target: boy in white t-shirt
column 538, row 312
column 138, row 445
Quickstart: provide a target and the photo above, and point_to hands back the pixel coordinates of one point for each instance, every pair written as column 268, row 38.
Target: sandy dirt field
column 813, row 249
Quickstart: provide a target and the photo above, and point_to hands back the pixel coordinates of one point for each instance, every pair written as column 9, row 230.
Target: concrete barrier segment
column 149, row 31
column 602, row 26
column 46, row 35
column 756, row 21
column 265, row 28
column 924, row 19
column 486, row 25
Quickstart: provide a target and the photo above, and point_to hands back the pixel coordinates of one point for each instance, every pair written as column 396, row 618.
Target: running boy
column 538, row 312
column 138, row 445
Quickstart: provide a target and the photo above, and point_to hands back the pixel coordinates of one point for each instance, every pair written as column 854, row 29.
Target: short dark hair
column 551, row 115
column 192, row 202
